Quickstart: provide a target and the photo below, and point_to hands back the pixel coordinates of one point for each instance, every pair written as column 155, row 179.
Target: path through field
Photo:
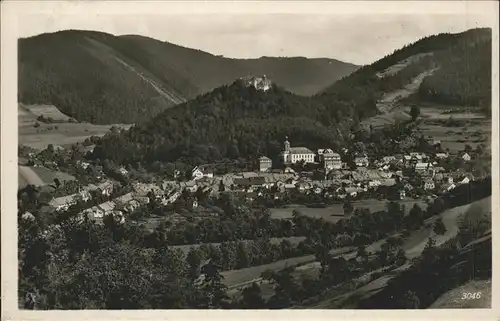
column 389, row 105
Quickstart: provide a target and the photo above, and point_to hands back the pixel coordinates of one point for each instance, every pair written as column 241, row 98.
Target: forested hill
column 238, row 121
column 229, row 122
column 462, row 73
column 102, row 78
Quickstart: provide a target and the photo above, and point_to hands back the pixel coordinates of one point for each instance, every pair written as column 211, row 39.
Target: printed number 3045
column 471, row 296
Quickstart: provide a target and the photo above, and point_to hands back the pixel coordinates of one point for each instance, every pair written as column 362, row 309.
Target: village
column 322, row 177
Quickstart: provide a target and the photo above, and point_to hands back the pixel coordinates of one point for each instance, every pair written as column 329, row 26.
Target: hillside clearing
column 39, row 176
column 61, row 132
column 335, row 212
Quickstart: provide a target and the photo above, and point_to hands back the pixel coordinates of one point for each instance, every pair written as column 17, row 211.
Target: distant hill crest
column 130, row 78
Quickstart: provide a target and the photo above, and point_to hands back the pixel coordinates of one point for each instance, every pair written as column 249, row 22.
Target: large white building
column 329, row 159
column 292, row 155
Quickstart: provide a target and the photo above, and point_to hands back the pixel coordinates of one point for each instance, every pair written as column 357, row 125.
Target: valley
column 159, row 176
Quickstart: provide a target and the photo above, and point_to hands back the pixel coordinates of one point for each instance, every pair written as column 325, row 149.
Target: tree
column 193, row 259
column 410, row 300
column 222, row 188
column 362, row 254
column 348, row 208
column 215, row 290
column 242, row 257
column 252, row 297
column 57, row 182
column 414, row 112
column 415, row 217
column 439, row 227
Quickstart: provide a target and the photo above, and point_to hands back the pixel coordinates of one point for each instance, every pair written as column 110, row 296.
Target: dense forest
column 464, row 76
column 230, row 122
column 101, row 78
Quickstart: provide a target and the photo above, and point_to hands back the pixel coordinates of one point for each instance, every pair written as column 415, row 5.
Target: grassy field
column 335, row 212
column 453, row 298
column 235, row 277
column 40, row 176
column 455, row 138
column 238, row 277
column 60, row 133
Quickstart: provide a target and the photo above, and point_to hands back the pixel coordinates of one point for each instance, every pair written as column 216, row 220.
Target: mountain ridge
column 104, row 90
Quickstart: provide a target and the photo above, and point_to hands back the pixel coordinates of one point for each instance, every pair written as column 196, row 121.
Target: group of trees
column 438, row 270
column 86, row 256
column 84, row 266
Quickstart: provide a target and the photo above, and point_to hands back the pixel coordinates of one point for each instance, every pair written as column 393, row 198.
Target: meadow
column 60, row 132
column 335, row 212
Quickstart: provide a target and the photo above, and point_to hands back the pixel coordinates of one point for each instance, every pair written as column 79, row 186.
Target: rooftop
column 300, row 150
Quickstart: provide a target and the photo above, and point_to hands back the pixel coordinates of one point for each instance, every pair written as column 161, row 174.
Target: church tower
column 285, row 154
column 287, row 144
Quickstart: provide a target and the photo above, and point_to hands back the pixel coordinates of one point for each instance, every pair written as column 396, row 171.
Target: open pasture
column 60, row 132
column 334, row 213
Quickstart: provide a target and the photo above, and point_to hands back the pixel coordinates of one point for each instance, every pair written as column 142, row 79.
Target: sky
column 358, row 38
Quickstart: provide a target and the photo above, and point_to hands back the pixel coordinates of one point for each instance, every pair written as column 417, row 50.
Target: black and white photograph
column 269, row 159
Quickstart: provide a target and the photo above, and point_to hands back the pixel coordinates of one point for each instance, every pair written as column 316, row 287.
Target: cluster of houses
column 331, row 160
column 338, row 181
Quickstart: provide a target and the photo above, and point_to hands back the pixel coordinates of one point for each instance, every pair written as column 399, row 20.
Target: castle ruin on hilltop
column 259, row 83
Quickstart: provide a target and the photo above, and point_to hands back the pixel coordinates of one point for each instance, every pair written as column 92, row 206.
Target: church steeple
column 287, row 144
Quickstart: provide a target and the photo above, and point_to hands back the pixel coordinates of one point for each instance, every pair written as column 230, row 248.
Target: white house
column 329, row 159
column 388, row 159
column 94, row 213
column 198, row 173
column 122, row 171
column 422, row 167
column 265, row 163
column 83, row 164
column 465, row 180
column 442, row 155
column 63, row 203
column 374, row 183
column 429, row 185
column 106, row 188
column 107, row 207
column 447, row 187
column 466, row 157
column 361, row 160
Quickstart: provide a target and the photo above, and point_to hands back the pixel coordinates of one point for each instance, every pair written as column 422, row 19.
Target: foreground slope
column 101, row 78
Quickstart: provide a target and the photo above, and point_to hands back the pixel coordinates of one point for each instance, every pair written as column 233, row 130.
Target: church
column 292, row 155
